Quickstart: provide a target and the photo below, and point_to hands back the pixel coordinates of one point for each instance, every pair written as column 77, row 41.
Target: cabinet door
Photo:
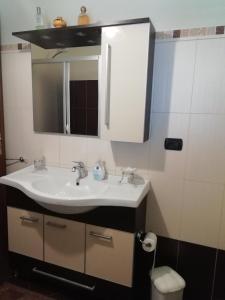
column 25, row 232
column 109, row 254
column 64, row 243
column 125, row 54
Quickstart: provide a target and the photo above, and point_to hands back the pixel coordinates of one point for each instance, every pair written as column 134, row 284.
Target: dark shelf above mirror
column 71, row 36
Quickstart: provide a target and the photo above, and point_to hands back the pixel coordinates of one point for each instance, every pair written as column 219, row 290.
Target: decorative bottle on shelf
column 39, row 19
column 83, row 18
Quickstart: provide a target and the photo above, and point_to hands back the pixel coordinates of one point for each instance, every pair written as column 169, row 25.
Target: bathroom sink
column 55, row 189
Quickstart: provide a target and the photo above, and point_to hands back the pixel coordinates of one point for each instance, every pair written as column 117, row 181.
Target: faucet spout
column 81, row 171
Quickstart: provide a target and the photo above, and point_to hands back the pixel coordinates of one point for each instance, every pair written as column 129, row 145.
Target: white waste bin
column 166, row 284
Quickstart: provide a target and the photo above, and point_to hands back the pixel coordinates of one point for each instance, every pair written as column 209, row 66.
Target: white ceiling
column 19, row 15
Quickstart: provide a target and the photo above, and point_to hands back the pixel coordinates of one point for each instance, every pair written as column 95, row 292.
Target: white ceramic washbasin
column 55, row 189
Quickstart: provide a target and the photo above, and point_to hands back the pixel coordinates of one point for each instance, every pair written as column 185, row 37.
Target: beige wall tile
column 131, row 155
column 171, row 163
column 206, row 148
column 201, row 213
column 98, row 149
column 222, row 227
column 17, row 80
column 173, row 76
column 36, row 145
column 72, row 148
column 14, row 139
column 164, row 207
column 209, row 80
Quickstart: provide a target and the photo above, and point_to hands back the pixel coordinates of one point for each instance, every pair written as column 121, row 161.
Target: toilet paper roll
column 150, row 242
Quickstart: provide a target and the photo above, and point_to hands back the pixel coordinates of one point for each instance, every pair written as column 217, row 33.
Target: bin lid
column 166, row 280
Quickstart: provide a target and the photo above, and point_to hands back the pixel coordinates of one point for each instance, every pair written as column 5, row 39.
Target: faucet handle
column 129, row 173
column 79, row 164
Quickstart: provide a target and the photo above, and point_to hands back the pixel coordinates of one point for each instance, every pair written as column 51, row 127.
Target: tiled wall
column 202, row 267
column 187, row 200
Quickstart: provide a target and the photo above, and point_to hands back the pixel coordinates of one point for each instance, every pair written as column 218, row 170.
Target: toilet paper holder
column 148, row 245
column 141, row 236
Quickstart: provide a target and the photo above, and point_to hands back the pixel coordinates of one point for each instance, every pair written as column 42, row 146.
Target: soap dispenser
column 99, row 172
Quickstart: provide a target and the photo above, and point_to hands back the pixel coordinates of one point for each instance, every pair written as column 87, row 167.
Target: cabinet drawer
column 109, row 254
column 25, row 232
column 64, row 243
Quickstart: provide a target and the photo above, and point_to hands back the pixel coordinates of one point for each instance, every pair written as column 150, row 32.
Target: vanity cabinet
column 109, row 254
column 25, row 232
column 127, row 59
column 96, row 251
column 64, row 243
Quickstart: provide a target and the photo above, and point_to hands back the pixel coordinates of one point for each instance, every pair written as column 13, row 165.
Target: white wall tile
column 222, row 227
column 165, row 206
column 98, row 149
column 14, row 139
column 17, row 80
column 209, row 80
column 131, row 155
column 72, row 148
column 167, row 162
column 173, row 76
column 201, row 213
column 206, row 148
column 36, row 145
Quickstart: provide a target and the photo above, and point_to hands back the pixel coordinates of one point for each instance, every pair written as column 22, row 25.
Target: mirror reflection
column 65, row 90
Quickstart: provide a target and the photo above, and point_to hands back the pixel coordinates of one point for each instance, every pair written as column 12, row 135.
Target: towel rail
column 15, row 161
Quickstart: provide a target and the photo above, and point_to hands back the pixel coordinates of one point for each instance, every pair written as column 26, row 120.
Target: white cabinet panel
column 25, row 232
column 109, row 254
column 209, row 81
column 64, row 243
column 173, row 76
column 126, row 80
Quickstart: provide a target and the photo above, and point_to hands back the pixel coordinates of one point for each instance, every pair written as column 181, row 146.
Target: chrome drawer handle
column 62, row 279
column 100, row 236
column 29, row 219
column 53, row 224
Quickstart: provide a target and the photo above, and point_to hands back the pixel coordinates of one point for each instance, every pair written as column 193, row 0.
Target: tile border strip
column 160, row 35
column 21, row 47
column 192, row 32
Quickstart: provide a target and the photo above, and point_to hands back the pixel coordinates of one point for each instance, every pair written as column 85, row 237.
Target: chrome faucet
column 81, row 170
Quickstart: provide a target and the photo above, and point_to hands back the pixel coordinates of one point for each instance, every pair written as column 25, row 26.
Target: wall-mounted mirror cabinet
column 102, row 90
column 65, row 91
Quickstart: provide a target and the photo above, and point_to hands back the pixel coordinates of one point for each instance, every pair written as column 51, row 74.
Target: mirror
column 65, row 90
column 48, row 97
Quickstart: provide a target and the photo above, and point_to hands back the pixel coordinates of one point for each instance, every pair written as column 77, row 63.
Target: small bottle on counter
column 99, row 172
column 83, row 18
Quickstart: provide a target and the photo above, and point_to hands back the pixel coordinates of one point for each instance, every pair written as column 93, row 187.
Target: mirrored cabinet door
column 48, row 102
column 83, row 97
